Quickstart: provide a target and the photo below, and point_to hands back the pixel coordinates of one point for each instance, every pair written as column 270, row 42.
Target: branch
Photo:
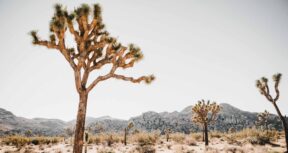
column 268, row 92
column 131, row 79
column 269, row 98
column 96, row 81
column 99, row 64
column 64, row 51
column 47, row 44
column 277, row 91
column 102, row 78
column 72, row 31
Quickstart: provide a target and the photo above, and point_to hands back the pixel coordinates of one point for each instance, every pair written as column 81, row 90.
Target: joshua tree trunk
column 203, row 134
column 80, row 123
column 125, row 136
column 206, row 134
column 285, row 128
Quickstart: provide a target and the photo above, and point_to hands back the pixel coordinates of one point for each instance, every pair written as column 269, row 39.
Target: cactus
column 262, row 119
column 262, row 85
column 126, row 130
column 205, row 114
column 95, row 49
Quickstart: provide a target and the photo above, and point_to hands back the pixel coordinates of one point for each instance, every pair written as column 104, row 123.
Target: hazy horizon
column 196, row 49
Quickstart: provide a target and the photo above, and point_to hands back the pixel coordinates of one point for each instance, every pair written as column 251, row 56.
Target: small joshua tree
column 28, row 133
column 93, row 49
column 205, row 114
column 262, row 85
column 262, row 119
column 126, row 130
column 167, row 131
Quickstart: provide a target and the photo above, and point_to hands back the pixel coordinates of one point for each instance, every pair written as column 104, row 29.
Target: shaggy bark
column 80, row 124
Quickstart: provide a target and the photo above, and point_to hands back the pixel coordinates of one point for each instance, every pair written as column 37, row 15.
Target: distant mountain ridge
column 229, row 116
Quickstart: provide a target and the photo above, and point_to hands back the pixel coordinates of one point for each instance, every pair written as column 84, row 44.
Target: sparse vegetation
column 20, row 141
column 250, row 140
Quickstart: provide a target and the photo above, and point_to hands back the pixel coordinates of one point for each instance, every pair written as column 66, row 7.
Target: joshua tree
column 28, row 133
column 262, row 85
column 262, row 119
column 168, row 131
column 205, row 114
column 126, row 130
column 93, row 49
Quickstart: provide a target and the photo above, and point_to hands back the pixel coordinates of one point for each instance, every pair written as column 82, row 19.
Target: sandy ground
column 215, row 146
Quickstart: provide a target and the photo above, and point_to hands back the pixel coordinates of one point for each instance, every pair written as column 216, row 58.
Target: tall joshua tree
column 205, row 114
column 262, row 119
column 262, row 85
column 94, row 48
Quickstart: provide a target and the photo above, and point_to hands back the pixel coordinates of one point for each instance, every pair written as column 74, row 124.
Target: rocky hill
column 9, row 123
column 229, row 116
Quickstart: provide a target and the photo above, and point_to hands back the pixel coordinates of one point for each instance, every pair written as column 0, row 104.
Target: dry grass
column 252, row 136
column 106, row 139
column 247, row 140
column 20, row 141
column 144, row 138
column 178, row 137
column 196, row 136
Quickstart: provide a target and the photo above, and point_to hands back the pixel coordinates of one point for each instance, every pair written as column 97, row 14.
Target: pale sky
column 196, row 49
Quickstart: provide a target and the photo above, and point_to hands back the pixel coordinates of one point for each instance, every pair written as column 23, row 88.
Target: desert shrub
column 253, row 136
column 215, row 134
column 44, row 140
column 231, row 139
column 146, row 149
column 17, row 141
column 106, row 150
column 35, row 141
column 190, row 141
column 178, row 137
column 234, row 150
column 109, row 139
column 145, row 138
column 260, row 140
column 98, row 139
column 196, row 136
column 55, row 140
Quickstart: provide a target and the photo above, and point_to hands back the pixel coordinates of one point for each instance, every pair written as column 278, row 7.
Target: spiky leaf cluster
column 130, row 125
column 94, row 45
column 168, row 131
column 262, row 85
column 205, row 112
